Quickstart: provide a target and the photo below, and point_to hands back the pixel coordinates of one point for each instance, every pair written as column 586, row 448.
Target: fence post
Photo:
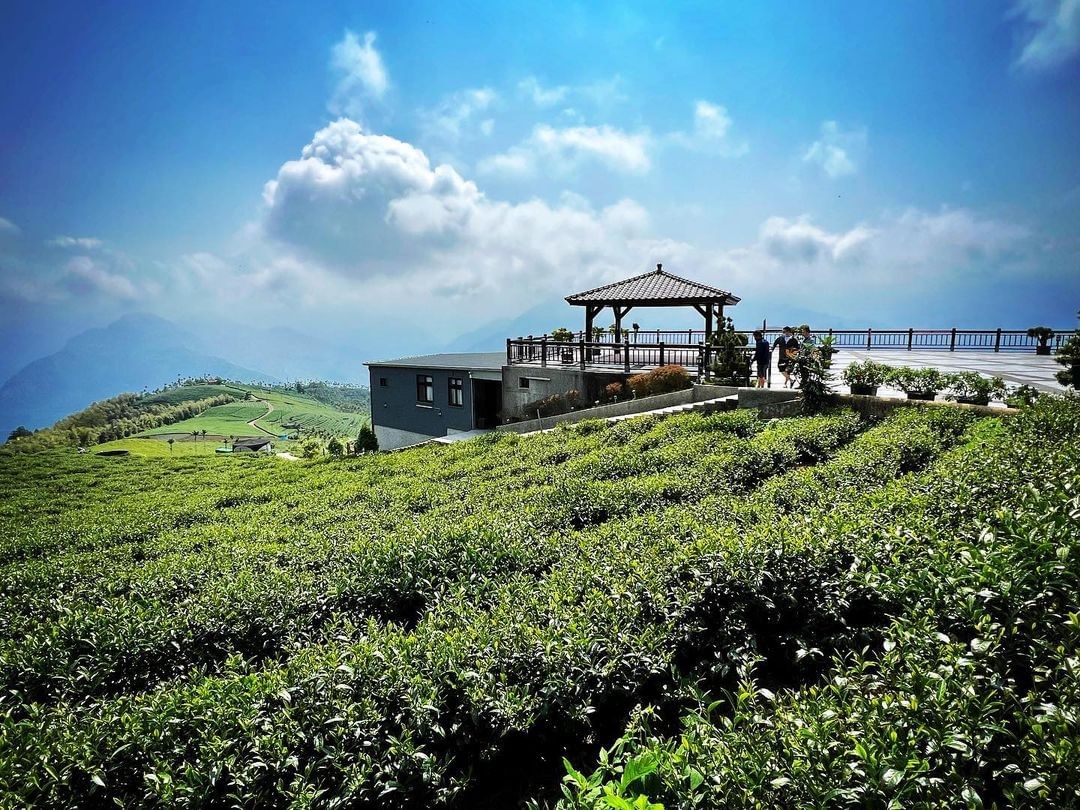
column 910, row 337
column 661, row 352
column 997, row 340
column 626, row 354
column 543, row 351
column 869, row 333
column 952, row 340
column 581, row 348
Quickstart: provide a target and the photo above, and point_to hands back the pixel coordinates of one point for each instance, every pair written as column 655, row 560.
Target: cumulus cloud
column 566, row 148
column 372, row 208
column 360, row 71
column 837, row 151
column 1051, row 34
column 75, row 242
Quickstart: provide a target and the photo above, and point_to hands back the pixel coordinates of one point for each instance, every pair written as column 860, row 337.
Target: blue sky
column 355, row 169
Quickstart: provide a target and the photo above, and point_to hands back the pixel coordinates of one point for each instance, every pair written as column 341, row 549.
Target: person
column 808, row 339
column 762, row 357
column 787, row 347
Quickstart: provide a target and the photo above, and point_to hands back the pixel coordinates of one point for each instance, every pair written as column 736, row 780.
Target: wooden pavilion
column 654, row 289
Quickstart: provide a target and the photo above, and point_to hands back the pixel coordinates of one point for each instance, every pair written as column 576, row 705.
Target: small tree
column 366, row 441
column 1068, row 355
column 171, row 442
column 334, row 447
column 812, row 372
column 19, row 433
column 731, row 360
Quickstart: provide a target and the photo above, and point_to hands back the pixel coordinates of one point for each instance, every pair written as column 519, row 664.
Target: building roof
column 257, row 441
column 656, row 288
column 465, row 361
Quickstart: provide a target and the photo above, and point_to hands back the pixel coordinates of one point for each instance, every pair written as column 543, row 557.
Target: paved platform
column 1016, row 369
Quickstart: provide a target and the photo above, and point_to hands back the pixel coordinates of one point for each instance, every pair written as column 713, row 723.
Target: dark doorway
column 487, row 402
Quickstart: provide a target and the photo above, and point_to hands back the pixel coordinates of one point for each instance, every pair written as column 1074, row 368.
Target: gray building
column 419, row 398
column 414, row 399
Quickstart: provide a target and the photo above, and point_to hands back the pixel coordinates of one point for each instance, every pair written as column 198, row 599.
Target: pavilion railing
column 686, row 347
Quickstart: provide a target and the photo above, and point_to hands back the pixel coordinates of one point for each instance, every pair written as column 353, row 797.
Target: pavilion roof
column 656, row 288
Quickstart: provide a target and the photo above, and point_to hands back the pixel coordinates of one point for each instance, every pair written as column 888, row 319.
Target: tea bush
column 440, row 627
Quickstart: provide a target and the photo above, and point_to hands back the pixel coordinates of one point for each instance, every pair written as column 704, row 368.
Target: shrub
column 662, row 380
column 612, row 391
column 366, row 442
column 553, row 405
column 867, row 373
column 970, row 385
column 562, row 335
column 334, row 447
column 915, row 380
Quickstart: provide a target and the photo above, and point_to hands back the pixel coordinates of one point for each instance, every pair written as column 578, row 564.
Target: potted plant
column 730, row 359
column 1044, row 334
column 917, row 383
column 596, row 336
column 563, row 335
column 865, row 377
column 971, row 388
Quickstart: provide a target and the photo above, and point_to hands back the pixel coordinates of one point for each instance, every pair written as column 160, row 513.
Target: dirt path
column 269, row 410
column 288, row 456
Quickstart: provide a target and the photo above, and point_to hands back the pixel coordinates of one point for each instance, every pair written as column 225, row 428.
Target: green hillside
column 697, row 611
column 303, row 414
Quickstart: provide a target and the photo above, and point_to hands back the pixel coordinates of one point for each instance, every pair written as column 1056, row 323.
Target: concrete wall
column 392, row 438
column 551, row 379
column 878, row 407
column 699, row 393
column 394, row 405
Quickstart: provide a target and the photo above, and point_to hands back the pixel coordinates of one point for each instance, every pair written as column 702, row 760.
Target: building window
column 425, row 388
column 523, row 382
column 382, row 382
column 457, row 391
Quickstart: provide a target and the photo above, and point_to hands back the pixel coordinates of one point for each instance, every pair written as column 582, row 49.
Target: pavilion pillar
column 708, row 324
column 591, row 312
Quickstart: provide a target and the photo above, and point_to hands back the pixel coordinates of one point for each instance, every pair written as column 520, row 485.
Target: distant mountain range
column 144, row 351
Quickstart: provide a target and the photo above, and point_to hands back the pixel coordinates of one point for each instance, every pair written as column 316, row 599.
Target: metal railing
column 686, row 347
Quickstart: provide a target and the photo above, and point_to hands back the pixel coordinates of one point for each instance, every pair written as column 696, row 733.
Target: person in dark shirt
column 786, row 347
column 762, row 357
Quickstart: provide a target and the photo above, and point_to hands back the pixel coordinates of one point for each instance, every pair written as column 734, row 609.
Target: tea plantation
column 700, row 611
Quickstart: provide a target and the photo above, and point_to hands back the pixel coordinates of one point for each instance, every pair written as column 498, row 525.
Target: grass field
column 155, row 448
column 288, row 408
column 699, row 611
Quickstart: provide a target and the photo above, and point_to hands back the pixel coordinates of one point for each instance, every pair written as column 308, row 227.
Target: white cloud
column 799, row 240
column 602, row 93
column 1051, row 32
column 453, row 116
column 837, row 151
column 361, row 74
column 542, row 96
column 83, row 276
column 9, row 228
column 564, row 149
column 371, row 207
column 76, row 242
column 710, row 134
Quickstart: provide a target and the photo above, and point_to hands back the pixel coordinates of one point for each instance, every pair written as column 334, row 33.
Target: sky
column 365, row 171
